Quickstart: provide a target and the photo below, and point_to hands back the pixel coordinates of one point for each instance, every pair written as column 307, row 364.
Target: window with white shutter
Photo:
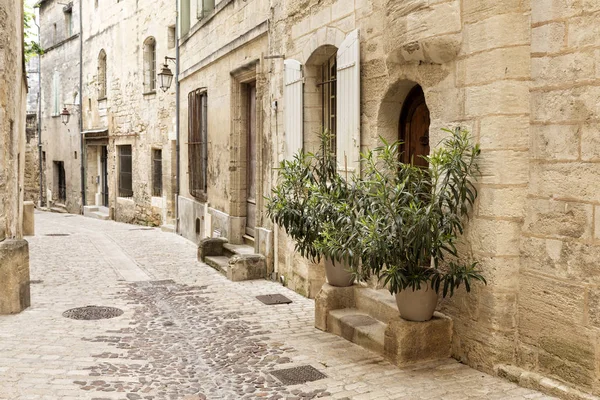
column 293, row 107
column 348, row 105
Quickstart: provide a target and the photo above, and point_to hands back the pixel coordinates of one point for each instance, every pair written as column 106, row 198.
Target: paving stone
column 186, row 331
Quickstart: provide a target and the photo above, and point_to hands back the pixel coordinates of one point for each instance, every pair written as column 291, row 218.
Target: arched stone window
column 149, row 65
column 413, row 129
column 102, row 75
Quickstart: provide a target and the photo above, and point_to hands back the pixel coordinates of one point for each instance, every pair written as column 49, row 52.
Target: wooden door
column 251, row 161
column 414, row 128
column 104, row 177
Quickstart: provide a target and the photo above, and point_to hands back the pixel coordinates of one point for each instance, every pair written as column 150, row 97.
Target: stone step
column 379, row 304
column 59, row 209
column 358, row 327
column 237, row 249
column 220, row 263
column 248, row 240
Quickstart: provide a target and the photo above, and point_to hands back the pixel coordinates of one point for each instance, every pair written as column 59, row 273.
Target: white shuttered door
column 293, row 116
column 348, row 105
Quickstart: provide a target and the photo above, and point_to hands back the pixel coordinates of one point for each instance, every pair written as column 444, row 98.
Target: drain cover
column 298, row 375
column 142, row 229
column 92, row 313
column 35, row 281
column 57, row 234
column 272, row 299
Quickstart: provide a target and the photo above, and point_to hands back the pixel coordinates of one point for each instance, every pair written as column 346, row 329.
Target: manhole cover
column 57, row 234
column 92, row 313
column 272, row 299
column 35, row 281
column 298, row 375
column 142, row 229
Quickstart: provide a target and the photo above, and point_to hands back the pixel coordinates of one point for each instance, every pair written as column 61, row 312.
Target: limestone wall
column 60, row 88
column 13, row 102
column 131, row 115
column 559, row 321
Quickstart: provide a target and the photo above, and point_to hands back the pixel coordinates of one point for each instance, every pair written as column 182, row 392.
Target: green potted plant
column 405, row 220
column 296, row 204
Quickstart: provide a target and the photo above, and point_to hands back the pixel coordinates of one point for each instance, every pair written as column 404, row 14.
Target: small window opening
column 197, row 226
column 75, row 155
column 149, row 65
column 157, row 172
column 125, row 171
column 171, row 37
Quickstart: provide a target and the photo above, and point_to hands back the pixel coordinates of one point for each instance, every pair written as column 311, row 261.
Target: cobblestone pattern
column 193, row 335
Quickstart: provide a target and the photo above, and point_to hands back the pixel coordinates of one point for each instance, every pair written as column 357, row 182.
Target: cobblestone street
column 186, row 331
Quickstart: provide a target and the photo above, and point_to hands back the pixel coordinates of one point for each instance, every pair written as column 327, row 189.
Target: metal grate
column 272, row 299
column 298, row 375
column 90, row 313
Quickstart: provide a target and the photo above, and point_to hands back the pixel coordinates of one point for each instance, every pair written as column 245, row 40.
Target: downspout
column 81, row 144
column 177, row 173
column 39, row 127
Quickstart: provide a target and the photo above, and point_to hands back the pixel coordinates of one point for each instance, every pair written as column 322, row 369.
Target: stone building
column 128, row 121
column 61, row 143
column 14, row 253
column 521, row 76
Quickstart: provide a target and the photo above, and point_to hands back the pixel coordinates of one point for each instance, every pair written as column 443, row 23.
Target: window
column 56, row 94
column 184, row 17
column 414, row 128
column 60, row 182
column 69, row 20
column 102, row 75
column 157, row 172
column 197, row 143
column 329, row 100
column 125, row 174
column 204, row 8
column 171, row 37
column 149, row 65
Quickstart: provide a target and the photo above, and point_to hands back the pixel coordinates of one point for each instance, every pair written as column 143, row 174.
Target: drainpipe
column 39, row 127
column 82, row 157
column 177, row 117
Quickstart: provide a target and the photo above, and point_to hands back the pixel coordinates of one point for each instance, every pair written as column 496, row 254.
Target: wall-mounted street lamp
column 65, row 115
column 166, row 75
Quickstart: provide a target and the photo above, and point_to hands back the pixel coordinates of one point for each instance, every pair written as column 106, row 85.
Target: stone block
column 597, row 222
column 501, row 97
column 549, row 38
column 584, row 31
column 494, row 65
column 502, row 131
column 566, row 180
column 14, row 276
column 504, row 167
column 590, row 141
column 548, row 10
column 331, row 298
column 497, row 31
column 408, row 342
column 555, row 142
column 501, row 202
column 245, row 267
column 559, row 218
column 477, row 10
column 210, row 247
column 28, row 218
column 497, row 237
column 565, row 105
column 559, row 69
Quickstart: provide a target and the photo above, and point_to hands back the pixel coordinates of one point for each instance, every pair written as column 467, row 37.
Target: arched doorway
column 413, row 129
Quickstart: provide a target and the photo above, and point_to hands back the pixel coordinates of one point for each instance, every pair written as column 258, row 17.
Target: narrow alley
column 186, row 332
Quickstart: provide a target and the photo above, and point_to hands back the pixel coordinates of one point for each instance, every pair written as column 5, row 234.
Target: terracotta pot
column 338, row 275
column 417, row 305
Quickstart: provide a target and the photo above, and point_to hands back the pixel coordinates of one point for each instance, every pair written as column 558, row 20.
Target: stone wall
column 60, row 88
column 32, row 169
column 130, row 114
column 559, row 320
column 14, row 253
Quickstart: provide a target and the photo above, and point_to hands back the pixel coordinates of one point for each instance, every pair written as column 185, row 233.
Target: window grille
column 125, row 171
column 149, row 65
column 102, row 75
column 157, row 172
column 197, row 143
column 329, row 100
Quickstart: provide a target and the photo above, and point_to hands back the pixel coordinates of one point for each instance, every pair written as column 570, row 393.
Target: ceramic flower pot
column 337, row 274
column 417, row 305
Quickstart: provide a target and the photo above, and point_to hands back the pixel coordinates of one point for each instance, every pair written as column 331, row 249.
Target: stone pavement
column 186, row 331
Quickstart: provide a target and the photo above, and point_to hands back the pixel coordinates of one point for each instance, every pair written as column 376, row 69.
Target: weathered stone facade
column 521, row 76
column 61, row 158
column 14, row 253
column 126, row 111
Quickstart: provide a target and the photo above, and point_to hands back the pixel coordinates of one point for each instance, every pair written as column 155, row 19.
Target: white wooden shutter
column 293, row 111
column 348, row 105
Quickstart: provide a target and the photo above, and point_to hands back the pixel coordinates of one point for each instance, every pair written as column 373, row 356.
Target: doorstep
column 370, row 318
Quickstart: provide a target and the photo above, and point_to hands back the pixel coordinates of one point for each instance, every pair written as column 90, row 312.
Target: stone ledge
column 532, row 380
column 244, row 267
column 210, row 247
column 14, row 276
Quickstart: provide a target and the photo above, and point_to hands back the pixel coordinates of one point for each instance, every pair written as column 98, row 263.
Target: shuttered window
column 293, row 107
column 125, row 171
column 149, row 65
column 197, row 143
column 56, row 94
column 204, row 7
column 348, row 105
column 157, row 172
column 102, row 75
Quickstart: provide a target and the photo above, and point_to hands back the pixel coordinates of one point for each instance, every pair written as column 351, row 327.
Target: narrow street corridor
column 186, row 332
